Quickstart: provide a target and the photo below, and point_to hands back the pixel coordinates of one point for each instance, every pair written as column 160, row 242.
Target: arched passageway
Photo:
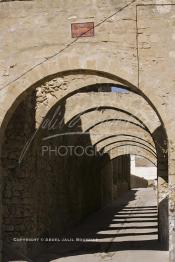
column 69, row 156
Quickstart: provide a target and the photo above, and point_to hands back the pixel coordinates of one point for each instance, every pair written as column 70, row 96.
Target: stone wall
column 19, row 210
column 127, row 48
column 138, row 182
column 121, row 175
column 44, row 185
column 45, row 191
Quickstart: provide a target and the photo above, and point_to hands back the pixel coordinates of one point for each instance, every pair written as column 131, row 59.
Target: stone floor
column 125, row 231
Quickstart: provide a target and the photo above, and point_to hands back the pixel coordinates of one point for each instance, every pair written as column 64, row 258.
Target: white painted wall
column 148, row 173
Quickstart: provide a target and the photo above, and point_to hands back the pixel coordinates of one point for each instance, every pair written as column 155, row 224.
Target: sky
column 115, row 89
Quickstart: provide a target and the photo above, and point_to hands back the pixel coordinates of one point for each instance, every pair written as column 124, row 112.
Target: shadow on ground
column 94, row 234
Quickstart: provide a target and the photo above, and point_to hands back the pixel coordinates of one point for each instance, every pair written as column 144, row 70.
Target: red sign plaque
column 82, row 29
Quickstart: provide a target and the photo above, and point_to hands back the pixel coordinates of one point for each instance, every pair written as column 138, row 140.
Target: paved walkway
column 126, row 231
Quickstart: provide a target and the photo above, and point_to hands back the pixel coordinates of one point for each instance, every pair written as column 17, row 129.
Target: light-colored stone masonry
column 135, row 48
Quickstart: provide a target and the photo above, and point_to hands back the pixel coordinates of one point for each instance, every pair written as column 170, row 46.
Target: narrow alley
column 124, row 231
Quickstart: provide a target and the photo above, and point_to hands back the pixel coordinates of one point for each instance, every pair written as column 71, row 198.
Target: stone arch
column 14, row 100
column 128, row 142
column 71, row 93
column 118, row 151
column 108, row 131
column 41, row 77
column 112, row 138
column 140, row 155
column 105, row 114
column 130, row 102
column 133, row 119
column 127, row 146
column 165, row 172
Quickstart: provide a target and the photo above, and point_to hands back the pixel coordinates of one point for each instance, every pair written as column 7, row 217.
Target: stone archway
column 52, row 101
